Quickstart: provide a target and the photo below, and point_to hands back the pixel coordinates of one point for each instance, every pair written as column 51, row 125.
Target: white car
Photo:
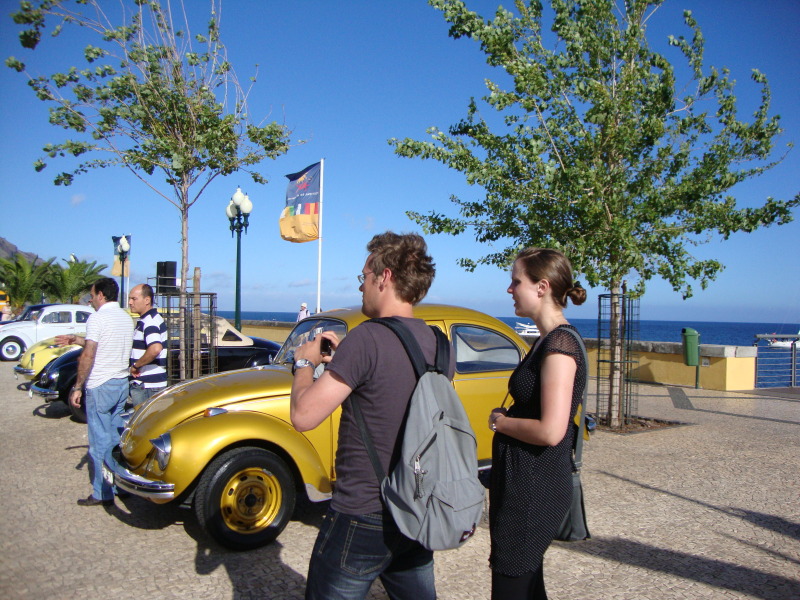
column 53, row 320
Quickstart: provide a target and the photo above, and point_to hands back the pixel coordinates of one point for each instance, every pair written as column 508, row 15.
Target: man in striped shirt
column 149, row 352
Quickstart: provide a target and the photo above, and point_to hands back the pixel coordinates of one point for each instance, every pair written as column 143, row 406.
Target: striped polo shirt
column 112, row 329
column 150, row 329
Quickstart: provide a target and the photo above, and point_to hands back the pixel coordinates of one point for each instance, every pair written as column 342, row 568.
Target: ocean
column 711, row 332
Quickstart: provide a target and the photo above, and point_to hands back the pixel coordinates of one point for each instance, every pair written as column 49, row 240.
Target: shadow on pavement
column 710, row 571
column 770, row 522
column 52, row 410
column 259, row 573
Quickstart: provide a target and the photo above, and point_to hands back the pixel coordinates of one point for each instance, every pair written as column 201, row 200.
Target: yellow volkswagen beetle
column 224, row 443
column 38, row 356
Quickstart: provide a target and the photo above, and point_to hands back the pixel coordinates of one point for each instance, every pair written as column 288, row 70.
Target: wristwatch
column 301, row 363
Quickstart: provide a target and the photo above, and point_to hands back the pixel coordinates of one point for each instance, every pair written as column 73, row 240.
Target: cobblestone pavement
column 708, row 510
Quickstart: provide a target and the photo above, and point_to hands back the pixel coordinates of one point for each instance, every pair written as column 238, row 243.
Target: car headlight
column 48, row 379
column 163, row 446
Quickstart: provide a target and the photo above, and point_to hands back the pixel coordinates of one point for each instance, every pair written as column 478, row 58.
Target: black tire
column 79, row 414
column 11, row 348
column 245, row 498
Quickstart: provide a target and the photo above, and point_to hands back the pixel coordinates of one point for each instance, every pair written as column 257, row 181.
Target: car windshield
column 304, row 331
column 30, row 314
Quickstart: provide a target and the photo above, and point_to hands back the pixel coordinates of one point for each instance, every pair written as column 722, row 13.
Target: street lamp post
column 238, row 212
column 122, row 249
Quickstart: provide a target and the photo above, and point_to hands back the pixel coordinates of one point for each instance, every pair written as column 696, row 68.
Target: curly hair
column 552, row 265
column 406, row 256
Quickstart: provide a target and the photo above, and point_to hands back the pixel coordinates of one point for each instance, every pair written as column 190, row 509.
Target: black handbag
column 573, row 527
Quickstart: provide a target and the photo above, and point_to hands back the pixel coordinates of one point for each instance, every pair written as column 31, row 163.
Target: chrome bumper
column 136, row 484
column 18, row 370
column 46, row 393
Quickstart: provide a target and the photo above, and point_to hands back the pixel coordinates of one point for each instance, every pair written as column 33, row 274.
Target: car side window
column 58, row 317
column 230, row 336
column 478, row 350
column 82, row 317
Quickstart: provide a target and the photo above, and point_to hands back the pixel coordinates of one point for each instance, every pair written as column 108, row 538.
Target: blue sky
column 347, row 76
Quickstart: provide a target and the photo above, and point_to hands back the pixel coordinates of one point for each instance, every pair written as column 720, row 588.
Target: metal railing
column 617, row 395
column 191, row 325
column 776, row 360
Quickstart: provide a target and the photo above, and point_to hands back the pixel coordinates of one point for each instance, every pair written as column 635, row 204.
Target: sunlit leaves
column 590, row 148
column 145, row 99
column 23, row 279
column 71, row 282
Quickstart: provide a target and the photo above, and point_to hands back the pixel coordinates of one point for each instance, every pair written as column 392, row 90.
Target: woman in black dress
column 531, row 482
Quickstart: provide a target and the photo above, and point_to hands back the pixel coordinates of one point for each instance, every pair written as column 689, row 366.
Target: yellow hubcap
column 251, row 500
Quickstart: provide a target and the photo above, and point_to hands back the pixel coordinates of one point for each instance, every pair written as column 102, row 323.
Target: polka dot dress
column 531, row 486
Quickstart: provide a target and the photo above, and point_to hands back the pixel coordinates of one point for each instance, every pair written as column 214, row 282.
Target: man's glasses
column 362, row 277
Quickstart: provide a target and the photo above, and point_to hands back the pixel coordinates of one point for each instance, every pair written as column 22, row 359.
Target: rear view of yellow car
column 224, row 443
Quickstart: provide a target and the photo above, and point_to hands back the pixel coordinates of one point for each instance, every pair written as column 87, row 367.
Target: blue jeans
column 140, row 394
column 104, row 404
column 352, row 551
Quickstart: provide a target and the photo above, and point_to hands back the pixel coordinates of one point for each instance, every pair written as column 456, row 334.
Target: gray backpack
column 433, row 492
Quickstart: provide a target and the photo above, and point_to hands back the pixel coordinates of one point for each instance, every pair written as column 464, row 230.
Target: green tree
column 166, row 106
column 590, row 147
column 68, row 284
column 24, row 280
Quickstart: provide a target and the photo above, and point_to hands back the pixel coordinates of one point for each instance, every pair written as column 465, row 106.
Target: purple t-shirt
column 372, row 361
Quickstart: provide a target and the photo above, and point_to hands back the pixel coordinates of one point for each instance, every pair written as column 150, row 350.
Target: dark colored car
column 234, row 350
column 29, row 314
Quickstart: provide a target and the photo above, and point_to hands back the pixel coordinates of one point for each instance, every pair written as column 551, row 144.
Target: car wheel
column 11, row 349
column 245, row 498
column 79, row 414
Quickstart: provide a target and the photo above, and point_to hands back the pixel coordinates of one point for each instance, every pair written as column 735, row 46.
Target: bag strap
column 373, row 454
column 577, row 445
column 420, row 368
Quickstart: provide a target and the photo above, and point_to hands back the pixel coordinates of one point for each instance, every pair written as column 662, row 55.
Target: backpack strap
column 373, row 454
column 420, row 365
column 577, row 444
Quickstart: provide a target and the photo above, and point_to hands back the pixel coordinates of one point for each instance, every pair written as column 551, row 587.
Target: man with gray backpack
column 372, row 373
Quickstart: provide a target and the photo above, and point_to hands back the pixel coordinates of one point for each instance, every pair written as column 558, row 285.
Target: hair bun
column 577, row 294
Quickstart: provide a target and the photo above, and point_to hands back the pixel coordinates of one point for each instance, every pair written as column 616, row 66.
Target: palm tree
column 68, row 284
column 23, row 280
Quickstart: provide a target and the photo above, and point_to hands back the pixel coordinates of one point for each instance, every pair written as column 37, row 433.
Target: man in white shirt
column 303, row 313
column 103, row 369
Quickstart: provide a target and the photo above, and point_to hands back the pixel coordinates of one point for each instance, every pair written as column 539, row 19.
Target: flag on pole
column 299, row 220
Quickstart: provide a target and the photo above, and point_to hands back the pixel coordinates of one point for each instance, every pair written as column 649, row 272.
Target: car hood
column 43, row 352
column 245, row 389
column 21, row 326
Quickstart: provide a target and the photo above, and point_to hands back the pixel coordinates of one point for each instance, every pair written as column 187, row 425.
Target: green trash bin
column 691, row 347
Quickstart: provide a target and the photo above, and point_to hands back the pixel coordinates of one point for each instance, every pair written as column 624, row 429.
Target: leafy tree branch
column 149, row 97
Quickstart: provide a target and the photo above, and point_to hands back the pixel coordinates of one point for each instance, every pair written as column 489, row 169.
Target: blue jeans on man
column 104, row 405
column 352, row 551
column 139, row 393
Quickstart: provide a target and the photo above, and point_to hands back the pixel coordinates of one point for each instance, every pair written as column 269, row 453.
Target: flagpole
column 319, row 248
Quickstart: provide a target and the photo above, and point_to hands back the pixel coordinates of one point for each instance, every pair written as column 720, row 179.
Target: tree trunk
column 616, row 383
column 183, row 320
column 197, row 329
